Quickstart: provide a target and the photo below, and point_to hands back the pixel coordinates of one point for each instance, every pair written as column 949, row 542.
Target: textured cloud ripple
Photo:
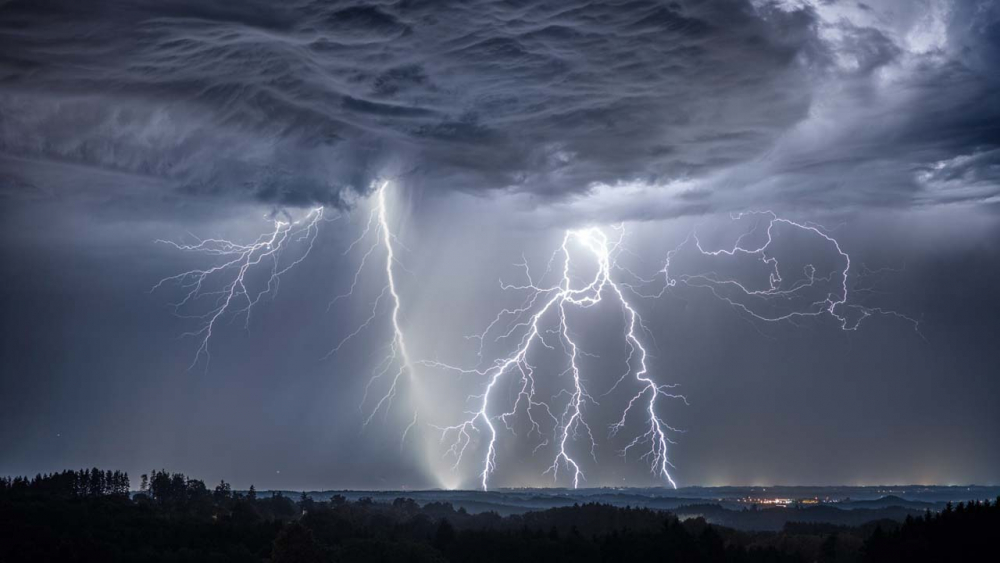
column 302, row 102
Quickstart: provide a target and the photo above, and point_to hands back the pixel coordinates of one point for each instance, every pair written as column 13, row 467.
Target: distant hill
column 775, row 518
column 732, row 514
column 893, row 500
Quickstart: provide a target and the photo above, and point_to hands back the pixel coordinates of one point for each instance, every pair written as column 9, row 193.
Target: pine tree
column 222, row 492
column 96, row 482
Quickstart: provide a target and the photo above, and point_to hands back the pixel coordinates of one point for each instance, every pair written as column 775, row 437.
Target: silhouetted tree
column 223, row 492
column 444, row 535
column 296, row 544
column 828, row 551
column 63, row 517
column 306, row 503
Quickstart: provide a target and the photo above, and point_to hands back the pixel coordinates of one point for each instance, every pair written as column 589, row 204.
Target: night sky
column 499, row 125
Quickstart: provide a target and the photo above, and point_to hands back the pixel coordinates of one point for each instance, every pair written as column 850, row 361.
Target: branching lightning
column 786, row 294
column 241, row 262
column 541, row 324
column 397, row 362
column 570, row 422
column 525, row 325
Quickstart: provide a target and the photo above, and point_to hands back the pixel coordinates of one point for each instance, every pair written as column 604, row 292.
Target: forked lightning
column 224, row 289
column 570, row 422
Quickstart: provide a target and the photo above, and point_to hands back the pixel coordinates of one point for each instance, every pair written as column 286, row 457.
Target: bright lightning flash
column 396, row 363
column 569, row 422
column 238, row 293
column 780, row 299
column 233, row 288
column 808, row 296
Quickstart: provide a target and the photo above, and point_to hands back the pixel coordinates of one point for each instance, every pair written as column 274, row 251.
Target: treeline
column 177, row 494
column 85, row 516
column 69, row 483
column 966, row 532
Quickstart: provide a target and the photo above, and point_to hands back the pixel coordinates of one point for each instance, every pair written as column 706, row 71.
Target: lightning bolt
column 804, row 296
column 570, row 423
column 540, row 324
column 212, row 293
column 227, row 290
column 397, row 362
column 778, row 293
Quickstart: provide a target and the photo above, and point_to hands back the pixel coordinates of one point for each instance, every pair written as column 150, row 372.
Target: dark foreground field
column 93, row 516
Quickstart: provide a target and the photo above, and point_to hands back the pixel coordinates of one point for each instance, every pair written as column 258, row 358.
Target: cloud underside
column 702, row 105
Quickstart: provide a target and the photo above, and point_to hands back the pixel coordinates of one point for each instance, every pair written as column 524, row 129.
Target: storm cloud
column 307, row 102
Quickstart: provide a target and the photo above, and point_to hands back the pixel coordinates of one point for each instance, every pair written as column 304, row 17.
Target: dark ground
column 91, row 515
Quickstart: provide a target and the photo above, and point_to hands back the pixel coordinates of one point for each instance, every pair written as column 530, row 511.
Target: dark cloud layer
column 304, row 102
column 294, row 102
